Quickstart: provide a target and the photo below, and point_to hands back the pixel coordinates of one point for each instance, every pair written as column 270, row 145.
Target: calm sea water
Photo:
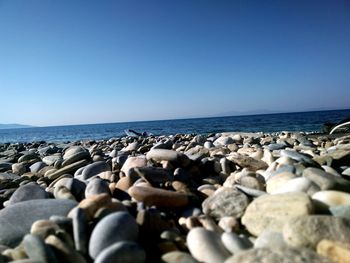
column 301, row 121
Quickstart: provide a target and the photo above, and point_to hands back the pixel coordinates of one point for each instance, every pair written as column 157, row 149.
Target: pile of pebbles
column 230, row 197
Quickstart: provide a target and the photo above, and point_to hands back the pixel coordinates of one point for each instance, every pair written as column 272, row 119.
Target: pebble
column 175, row 157
column 299, row 184
column 307, row 231
column 340, row 210
column 133, row 162
column 335, row 251
column 118, row 226
column 97, row 186
column 270, row 212
column 269, row 239
column 276, row 182
column 95, row 169
column 225, row 202
column 178, row 257
column 122, row 252
column 206, row 246
column 326, row 199
column 234, row 243
column 27, row 192
column 36, row 249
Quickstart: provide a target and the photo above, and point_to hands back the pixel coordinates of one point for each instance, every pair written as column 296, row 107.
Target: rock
column 158, row 197
column 225, row 202
column 80, row 229
column 335, row 251
column 223, row 140
column 118, row 226
column 235, row 243
column 229, row 224
column 283, row 254
column 123, row 252
column 340, row 210
column 74, row 154
column 28, row 157
column 133, row 162
column 269, row 239
column 95, row 169
column 67, row 169
column 27, row 192
column 44, row 228
column 36, row 249
column 206, row 246
column 299, row 184
column 16, row 220
column 247, row 162
column 51, row 159
column 156, row 176
column 174, row 157
column 75, row 186
column 97, row 186
column 277, row 181
column 131, row 147
column 18, row 168
column 270, row 212
column 326, row 199
column 307, row 231
column 36, row 167
column 324, row 180
column 299, row 157
column 178, row 257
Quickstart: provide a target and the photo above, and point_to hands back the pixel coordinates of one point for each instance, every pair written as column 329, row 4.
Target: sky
column 80, row 61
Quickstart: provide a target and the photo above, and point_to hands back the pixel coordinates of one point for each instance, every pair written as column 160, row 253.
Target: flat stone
column 36, row 249
column 51, row 159
column 75, row 186
column 247, row 162
column 28, row 157
column 27, row 192
column 94, row 169
column 307, row 231
column 340, row 210
column 298, row 157
column 225, row 202
column 158, row 197
column 97, row 186
column 16, row 220
column 68, row 169
column 178, row 257
column 206, row 246
column 283, row 254
column 270, row 212
column 172, row 156
column 276, row 182
column 18, row 168
column 44, row 228
column 36, row 167
column 131, row 147
column 133, row 162
column 156, row 176
column 234, row 243
column 269, row 239
column 335, row 251
column 122, row 252
column 115, row 227
column 299, row 184
column 326, row 199
column 74, row 154
column 80, row 229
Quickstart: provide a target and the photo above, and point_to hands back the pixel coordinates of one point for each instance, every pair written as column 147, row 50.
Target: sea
column 312, row 121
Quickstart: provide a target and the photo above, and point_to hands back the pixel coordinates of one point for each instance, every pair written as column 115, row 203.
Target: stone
column 269, row 239
column 36, row 167
column 206, row 246
column 178, row 257
column 283, row 254
column 28, row 157
column 247, row 162
column 326, row 199
column 18, row 168
column 156, row 176
column 64, row 252
column 225, row 202
column 223, row 140
column 44, row 228
column 80, row 229
column 97, row 186
column 335, row 251
column 172, row 156
column 299, row 184
column 298, row 157
column 115, row 227
column 277, row 181
column 51, row 159
column 122, row 252
column 229, row 224
column 67, row 169
column 16, row 220
column 94, row 169
column 235, row 243
column 74, row 154
column 307, row 231
column 27, row 192
column 340, row 210
column 324, row 180
column 271, row 212
column 36, row 249
column 133, row 162
column 158, row 197
column 75, row 186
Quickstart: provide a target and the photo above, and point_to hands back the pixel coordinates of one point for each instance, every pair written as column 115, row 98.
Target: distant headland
column 14, row 126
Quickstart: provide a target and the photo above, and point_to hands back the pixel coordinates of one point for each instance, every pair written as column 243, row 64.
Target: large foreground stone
column 271, row 212
column 16, row 220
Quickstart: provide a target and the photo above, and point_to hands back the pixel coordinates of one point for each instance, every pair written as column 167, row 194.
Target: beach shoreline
column 236, row 194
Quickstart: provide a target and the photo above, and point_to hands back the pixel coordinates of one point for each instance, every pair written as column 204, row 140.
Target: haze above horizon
column 77, row 62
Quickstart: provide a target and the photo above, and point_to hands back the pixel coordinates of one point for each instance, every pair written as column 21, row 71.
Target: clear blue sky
column 73, row 62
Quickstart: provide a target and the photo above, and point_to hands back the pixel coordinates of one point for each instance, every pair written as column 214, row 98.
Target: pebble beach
column 225, row 197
